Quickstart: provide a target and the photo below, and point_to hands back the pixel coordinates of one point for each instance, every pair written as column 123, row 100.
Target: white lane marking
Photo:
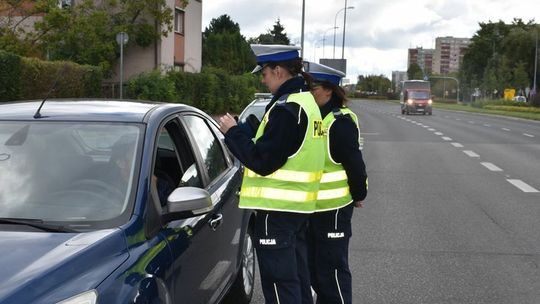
column 505, row 129
column 487, row 125
column 471, row 153
column 438, row 133
column 446, row 138
column 425, row 126
column 457, row 145
column 431, row 129
column 471, row 122
column 522, row 186
column 528, row 135
column 491, row 167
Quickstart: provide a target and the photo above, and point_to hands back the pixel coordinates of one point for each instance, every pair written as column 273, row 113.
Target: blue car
column 119, row 202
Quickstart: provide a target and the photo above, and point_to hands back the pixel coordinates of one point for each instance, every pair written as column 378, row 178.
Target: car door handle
column 216, row 220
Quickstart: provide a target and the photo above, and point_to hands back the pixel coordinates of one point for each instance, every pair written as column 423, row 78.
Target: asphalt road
column 453, row 210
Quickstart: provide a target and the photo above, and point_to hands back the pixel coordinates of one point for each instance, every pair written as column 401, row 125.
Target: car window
column 67, row 172
column 208, row 146
column 174, row 165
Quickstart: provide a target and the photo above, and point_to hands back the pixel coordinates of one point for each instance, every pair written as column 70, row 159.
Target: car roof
column 83, row 110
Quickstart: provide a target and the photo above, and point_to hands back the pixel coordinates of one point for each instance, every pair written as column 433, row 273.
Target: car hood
column 35, row 264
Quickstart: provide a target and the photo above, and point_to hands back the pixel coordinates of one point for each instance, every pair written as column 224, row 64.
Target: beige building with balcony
column 422, row 57
column 180, row 50
column 449, row 52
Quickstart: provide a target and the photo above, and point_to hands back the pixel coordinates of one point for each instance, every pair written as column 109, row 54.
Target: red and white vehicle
column 416, row 97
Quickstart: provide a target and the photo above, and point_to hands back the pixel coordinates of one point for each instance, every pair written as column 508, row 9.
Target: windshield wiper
column 35, row 223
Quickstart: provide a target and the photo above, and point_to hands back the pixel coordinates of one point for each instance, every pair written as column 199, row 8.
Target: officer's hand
column 226, row 122
column 359, row 204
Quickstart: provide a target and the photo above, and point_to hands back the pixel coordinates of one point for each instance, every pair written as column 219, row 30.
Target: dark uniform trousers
column 329, row 235
column 281, row 243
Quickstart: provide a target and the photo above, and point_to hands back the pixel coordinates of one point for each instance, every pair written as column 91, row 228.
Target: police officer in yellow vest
column 283, row 167
column 343, row 186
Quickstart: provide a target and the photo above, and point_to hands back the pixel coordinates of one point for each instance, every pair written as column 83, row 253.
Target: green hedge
column 213, row 90
column 10, row 73
column 151, row 86
column 31, row 78
column 72, row 80
column 526, row 109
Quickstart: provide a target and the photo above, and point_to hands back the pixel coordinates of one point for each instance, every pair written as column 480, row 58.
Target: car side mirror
column 185, row 202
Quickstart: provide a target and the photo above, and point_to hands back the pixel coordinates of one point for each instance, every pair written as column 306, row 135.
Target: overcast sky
column 378, row 32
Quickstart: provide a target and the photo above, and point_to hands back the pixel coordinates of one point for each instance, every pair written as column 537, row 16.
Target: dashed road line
column 491, row 167
column 487, row 125
column 446, row 138
column 432, row 130
column 471, row 122
column 471, row 153
column 457, row 145
column 438, row 133
column 506, row 129
column 521, row 185
column 528, row 135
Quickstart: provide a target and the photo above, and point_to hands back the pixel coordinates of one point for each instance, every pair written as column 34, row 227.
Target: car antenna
column 53, row 87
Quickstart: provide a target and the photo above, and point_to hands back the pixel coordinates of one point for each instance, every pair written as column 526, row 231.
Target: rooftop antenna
column 38, row 115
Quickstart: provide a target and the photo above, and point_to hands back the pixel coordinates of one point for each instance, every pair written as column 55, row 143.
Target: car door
column 202, row 257
column 224, row 180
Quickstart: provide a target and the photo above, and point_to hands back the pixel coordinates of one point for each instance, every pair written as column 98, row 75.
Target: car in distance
column 416, row 97
column 519, row 99
column 119, row 202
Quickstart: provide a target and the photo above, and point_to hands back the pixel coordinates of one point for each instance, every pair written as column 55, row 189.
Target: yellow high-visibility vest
column 293, row 187
column 334, row 188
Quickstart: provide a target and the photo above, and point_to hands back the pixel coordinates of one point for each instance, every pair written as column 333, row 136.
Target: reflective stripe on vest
column 294, row 187
column 288, row 176
column 334, row 190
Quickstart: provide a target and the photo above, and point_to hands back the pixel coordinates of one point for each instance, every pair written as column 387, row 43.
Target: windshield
column 78, row 173
column 419, row 94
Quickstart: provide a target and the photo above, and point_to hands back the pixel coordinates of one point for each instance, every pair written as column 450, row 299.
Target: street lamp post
column 122, row 38
column 343, row 38
column 324, row 37
column 335, row 20
column 303, row 20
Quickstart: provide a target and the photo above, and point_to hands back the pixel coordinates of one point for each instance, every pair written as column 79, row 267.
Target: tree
column 276, row 35
column 221, row 24
column 224, row 47
column 373, row 83
column 415, row 72
column 520, row 79
column 14, row 35
column 501, row 55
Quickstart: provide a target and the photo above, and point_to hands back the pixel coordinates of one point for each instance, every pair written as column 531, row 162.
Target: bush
column 214, row 90
column 66, row 79
column 151, row 86
column 10, row 75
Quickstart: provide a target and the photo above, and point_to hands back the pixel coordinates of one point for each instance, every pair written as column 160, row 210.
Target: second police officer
column 283, row 166
column 343, row 186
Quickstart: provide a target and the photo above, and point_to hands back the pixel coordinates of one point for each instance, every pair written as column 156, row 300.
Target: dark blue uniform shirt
column 282, row 137
column 345, row 149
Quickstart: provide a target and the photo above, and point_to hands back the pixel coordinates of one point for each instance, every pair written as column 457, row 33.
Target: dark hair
column 337, row 92
column 294, row 67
